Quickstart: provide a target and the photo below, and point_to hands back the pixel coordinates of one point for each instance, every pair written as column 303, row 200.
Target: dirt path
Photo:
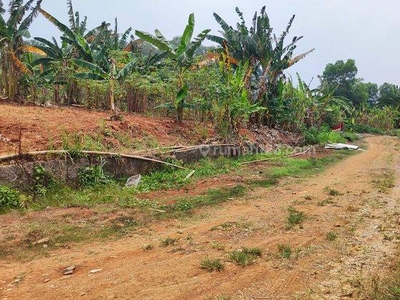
column 349, row 200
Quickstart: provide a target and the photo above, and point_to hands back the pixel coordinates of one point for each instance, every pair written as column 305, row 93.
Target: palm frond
column 19, row 65
column 158, row 41
column 90, row 76
column 71, row 16
column 299, row 57
column 33, row 49
column 225, row 27
column 126, row 70
column 63, row 28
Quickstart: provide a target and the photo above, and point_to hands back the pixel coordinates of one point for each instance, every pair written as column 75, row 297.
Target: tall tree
column 341, row 77
column 389, row 95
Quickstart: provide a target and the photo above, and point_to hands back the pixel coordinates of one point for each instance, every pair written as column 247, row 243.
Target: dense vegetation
column 238, row 82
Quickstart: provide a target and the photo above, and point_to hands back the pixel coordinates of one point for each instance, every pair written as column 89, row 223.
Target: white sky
column 365, row 30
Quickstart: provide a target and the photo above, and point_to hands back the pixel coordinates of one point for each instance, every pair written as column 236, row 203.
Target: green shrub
column 311, row 135
column 363, row 128
column 41, row 181
column 323, row 135
column 9, row 198
column 93, row 175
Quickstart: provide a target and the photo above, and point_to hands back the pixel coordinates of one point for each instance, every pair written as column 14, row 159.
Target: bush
column 363, row 128
column 93, row 175
column 9, row 198
column 41, row 181
column 323, row 135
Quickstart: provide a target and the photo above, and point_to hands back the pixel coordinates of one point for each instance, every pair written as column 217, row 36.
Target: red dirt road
column 365, row 220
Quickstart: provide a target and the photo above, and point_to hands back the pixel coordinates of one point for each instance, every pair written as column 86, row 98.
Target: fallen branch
column 15, row 156
column 301, row 153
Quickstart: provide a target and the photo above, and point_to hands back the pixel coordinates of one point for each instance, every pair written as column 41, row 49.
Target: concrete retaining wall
column 20, row 175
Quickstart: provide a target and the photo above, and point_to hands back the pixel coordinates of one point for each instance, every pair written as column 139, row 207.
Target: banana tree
column 268, row 55
column 182, row 55
column 111, row 75
column 12, row 32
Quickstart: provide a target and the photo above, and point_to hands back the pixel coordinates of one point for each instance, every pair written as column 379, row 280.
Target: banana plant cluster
column 12, row 32
column 247, row 69
column 268, row 56
column 182, row 55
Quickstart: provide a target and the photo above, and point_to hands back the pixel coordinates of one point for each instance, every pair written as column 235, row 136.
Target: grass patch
column 285, row 251
column 245, row 256
column 168, row 241
column 384, row 181
column 62, row 234
column 325, row 202
column 383, row 288
column 331, row 236
column 294, row 218
column 212, row 264
column 218, row 246
column 332, row 192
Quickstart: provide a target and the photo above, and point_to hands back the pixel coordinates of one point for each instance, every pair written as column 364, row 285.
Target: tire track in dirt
column 318, row 269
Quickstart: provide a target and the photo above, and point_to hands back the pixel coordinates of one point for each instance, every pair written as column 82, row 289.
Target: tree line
column 241, row 81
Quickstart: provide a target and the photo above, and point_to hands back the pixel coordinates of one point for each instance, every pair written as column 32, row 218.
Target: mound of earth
column 45, row 128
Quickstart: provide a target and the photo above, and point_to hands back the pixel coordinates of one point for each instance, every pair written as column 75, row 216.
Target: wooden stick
column 301, row 153
column 189, row 175
column 20, row 142
column 8, row 157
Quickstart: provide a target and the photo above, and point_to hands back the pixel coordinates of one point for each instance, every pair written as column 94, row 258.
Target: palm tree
column 12, row 32
column 182, row 55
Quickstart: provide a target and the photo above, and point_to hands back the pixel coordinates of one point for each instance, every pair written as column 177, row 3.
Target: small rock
column 69, row 270
column 42, row 241
column 46, row 280
column 95, row 271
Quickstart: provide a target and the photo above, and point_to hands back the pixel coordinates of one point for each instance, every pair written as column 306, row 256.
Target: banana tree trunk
column 112, row 98
column 9, row 78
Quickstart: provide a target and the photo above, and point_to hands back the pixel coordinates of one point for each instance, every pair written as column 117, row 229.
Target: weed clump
column 285, row 251
column 331, row 236
column 212, row 264
column 245, row 256
column 295, row 217
column 9, row 198
column 168, row 241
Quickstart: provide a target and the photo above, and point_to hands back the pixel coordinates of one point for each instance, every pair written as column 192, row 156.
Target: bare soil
column 362, row 211
column 44, row 128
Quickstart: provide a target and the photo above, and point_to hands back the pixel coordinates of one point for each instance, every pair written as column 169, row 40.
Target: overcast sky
column 365, row 30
